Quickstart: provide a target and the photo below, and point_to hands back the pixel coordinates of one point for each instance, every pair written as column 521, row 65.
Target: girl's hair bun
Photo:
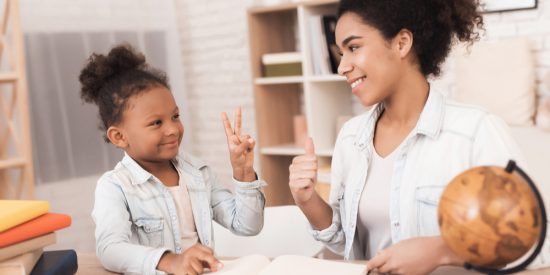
column 100, row 69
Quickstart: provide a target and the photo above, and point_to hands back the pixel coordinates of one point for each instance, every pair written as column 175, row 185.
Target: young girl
column 391, row 164
column 154, row 210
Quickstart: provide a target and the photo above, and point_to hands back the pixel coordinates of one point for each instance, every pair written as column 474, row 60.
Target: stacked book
column 26, row 228
column 282, row 64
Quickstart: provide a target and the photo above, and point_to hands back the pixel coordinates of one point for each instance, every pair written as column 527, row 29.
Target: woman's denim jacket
column 136, row 219
column 448, row 139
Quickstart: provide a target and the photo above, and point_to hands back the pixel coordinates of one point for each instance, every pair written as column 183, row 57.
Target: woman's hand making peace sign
column 241, row 148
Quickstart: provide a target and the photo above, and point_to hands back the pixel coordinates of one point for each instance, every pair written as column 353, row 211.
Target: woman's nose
column 344, row 67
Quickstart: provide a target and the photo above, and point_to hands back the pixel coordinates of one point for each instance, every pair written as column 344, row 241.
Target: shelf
column 291, row 150
column 279, row 80
column 8, row 77
column 11, row 163
column 289, row 5
column 272, row 8
column 326, row 78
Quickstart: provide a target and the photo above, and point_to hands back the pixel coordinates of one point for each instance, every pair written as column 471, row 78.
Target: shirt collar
column 141, row 175
column 429, row 123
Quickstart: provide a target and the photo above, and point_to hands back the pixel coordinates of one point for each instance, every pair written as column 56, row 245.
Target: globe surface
column 489, row 217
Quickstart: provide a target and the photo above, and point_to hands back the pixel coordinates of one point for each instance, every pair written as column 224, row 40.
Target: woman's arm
column 414, row 256
column 302, row 180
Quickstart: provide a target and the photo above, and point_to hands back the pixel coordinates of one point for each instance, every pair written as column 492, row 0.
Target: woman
column 391, row 164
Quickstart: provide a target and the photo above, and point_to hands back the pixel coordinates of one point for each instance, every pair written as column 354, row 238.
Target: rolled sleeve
column 253, row 185
column 242, row 212
column 332, row 236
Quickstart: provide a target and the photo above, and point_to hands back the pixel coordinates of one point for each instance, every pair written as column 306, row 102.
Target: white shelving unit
column 321, row 98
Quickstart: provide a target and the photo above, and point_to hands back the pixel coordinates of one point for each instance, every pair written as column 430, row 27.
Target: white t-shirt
column 188, row 230
column 373, row 218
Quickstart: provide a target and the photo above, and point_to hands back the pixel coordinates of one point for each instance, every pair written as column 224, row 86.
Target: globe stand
column 510, row 168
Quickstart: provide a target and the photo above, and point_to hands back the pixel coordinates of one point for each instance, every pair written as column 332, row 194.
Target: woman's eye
column 353, row 48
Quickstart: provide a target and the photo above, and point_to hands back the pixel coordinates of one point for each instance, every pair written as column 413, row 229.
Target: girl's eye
column 156, row 122
column 176, row 117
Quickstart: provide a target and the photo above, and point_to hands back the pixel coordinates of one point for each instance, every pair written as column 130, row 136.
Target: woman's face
column 370, row 63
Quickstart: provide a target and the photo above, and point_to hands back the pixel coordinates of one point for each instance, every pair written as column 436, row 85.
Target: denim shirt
column 448, row 139
column 136, row 218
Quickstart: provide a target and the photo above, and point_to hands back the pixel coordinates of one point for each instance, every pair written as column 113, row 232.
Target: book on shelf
column 44, row 224
column 329, row 27
column 15, row 212
column 57, row 262
column 27, row 246
column 20, row 265
column 319, row 51
column 288, row 265
column 282, row 64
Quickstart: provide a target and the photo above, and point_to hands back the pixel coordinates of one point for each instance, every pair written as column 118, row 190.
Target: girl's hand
column 241, row 149
column 414, row 256
column 192, row 261
column 303, row 174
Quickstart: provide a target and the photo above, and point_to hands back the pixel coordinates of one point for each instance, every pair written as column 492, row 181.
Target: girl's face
column 151, row 126
column 370, row 63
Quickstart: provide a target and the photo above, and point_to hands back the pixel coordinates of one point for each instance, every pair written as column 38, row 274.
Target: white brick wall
column 215, row 53
column 214, row 44
column 533, row 24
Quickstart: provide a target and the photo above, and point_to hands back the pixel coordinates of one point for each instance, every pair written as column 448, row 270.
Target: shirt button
column 396, row 224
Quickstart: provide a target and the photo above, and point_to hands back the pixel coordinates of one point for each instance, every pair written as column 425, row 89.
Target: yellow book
column 20, row 265
column 27, row 246
column 16, row 212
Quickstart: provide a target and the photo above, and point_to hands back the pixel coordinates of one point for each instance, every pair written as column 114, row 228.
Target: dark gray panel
column 50, row 149
column 155, row 49
column 82, row 118
column 127, row 37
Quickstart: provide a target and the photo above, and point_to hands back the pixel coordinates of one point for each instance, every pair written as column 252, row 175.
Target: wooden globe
column 489, row 217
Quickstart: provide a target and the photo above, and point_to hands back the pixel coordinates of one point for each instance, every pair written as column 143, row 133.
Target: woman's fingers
column 300, row 183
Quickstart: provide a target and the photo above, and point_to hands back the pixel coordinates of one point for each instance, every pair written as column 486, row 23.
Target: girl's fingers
column 238, row 121
column 227, row 125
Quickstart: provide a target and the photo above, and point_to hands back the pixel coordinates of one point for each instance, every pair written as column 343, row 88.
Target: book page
column 247, row 265
column 301, row 265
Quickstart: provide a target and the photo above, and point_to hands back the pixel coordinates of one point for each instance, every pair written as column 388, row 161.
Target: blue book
column 59, row 262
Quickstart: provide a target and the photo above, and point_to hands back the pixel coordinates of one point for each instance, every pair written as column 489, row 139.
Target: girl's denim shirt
column 137, row 222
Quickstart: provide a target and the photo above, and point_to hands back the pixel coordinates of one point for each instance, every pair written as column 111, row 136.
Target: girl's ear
column 115, row 136
column 403, row 41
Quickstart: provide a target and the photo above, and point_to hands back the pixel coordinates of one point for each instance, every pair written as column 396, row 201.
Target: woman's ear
column 115, row 136
column 404, row 42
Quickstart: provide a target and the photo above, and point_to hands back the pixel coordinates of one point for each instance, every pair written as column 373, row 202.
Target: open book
column 288, row 265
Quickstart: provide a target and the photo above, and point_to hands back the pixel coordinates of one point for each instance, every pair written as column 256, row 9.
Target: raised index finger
column 238, row 121
column 227, row 125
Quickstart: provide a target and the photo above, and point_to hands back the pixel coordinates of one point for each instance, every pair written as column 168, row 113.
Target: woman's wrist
column 448, row 257
column 165, row 262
